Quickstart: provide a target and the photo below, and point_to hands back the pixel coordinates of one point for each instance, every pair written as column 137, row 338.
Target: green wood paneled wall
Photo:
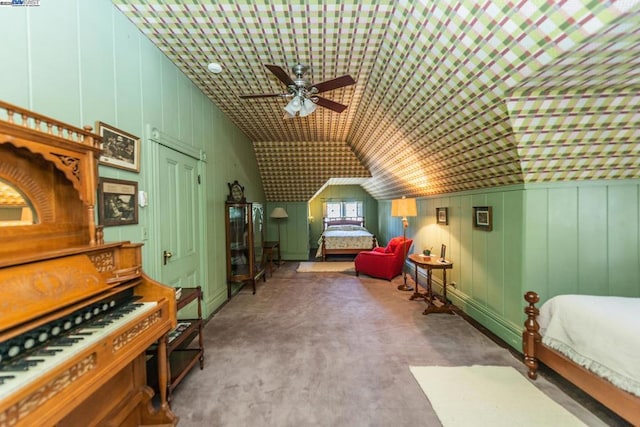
column 583, row 238
column 98, row 66
column 294, row 230
column 551, row 238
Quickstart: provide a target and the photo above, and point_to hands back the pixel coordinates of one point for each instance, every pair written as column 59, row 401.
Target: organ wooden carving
column 61, row 285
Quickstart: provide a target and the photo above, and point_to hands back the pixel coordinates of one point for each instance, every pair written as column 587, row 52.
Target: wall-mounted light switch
column 142, row 198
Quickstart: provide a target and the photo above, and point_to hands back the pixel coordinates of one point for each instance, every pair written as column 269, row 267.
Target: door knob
column 166, row 255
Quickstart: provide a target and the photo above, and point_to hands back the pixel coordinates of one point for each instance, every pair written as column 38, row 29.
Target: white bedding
column 345, row 237
column 599, row 333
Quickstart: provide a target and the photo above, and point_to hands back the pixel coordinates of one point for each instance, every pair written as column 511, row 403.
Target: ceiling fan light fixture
column 308, row 107
column 302, row 93
column 293, row 106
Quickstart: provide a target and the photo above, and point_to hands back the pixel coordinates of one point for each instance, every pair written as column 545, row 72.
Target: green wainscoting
column 582, row 238
column 559, row 238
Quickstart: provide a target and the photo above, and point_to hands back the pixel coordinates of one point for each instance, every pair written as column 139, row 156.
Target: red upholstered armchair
column 384, row 263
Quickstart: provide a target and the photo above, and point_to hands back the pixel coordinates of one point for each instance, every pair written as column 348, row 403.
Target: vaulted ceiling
column 450, row 95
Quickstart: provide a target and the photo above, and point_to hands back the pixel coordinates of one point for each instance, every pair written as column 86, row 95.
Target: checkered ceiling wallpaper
column 450, row 95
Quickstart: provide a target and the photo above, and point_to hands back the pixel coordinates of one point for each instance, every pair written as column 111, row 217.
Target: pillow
column 345, row 227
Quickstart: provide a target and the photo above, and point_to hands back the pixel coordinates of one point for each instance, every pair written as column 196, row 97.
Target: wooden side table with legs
column 430, row 263
column 267, row 253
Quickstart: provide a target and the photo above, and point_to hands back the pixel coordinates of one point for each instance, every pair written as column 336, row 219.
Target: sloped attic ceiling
column 450, row 95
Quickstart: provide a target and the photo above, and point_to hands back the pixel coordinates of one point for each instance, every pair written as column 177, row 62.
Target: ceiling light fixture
column 299, row 105
column 307, row 107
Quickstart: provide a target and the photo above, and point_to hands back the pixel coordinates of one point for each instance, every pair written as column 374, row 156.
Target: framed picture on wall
column 119, row 149
column 442, row 216
column 482, row 218
column 117, row 202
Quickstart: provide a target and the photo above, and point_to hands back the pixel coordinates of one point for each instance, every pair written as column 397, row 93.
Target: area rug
column 488, row 396
column 326, row 267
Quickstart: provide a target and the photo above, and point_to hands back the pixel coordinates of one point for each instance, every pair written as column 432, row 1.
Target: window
column 333, row 210
column 352, row 209
column 343, row 209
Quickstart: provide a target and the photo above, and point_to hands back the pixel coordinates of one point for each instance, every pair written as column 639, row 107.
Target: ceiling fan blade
column 336, row 83
column 281, row 74
column 332, row 105
column 261, row 95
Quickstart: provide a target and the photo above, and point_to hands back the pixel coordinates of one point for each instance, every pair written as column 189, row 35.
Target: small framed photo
column 119, row 149
column 442, row 216
column 482, row 218
column 443, row 252
column 117, row 202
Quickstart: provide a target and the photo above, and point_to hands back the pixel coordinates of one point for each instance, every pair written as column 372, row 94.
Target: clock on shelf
column 236, row 192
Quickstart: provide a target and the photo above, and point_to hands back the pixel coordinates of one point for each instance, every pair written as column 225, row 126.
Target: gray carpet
column 332, row 349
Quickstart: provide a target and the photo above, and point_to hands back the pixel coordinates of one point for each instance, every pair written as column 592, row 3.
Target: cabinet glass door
column 258, row 236
column 238, row 240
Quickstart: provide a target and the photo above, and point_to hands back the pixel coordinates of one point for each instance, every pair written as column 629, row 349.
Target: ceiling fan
column 303, row 94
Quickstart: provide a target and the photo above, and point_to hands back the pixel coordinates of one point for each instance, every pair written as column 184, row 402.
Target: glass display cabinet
column 244, row 240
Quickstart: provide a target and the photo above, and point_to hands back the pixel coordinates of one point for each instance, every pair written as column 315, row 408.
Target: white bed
column 593, row 341
column 607, row 341
column 344, row 236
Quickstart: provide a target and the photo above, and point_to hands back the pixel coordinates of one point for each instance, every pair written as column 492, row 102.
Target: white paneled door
column 180, row 234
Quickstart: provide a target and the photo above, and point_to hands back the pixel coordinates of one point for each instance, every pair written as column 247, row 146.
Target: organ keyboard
column 28, row 358
column 94, row 346
column 77, row 315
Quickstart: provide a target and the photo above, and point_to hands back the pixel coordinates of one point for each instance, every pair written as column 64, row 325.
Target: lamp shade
column 279, row 213
column 292, row 109
column 404, row 207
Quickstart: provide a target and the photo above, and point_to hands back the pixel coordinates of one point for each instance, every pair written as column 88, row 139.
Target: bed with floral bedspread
column 344, row 236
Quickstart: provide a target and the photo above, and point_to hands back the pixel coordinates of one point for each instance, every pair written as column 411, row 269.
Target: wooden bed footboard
column 345, row 251
column 621, row 402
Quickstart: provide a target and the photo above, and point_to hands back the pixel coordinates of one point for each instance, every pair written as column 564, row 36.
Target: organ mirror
column 48, row 176
column 15, row 208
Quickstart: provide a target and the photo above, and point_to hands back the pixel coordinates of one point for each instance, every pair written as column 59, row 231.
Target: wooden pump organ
column 76, row 314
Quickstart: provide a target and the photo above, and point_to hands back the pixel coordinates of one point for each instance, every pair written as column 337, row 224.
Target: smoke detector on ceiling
column 215, row 68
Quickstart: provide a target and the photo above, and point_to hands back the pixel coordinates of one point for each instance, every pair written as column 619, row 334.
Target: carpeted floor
column 333, row 349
